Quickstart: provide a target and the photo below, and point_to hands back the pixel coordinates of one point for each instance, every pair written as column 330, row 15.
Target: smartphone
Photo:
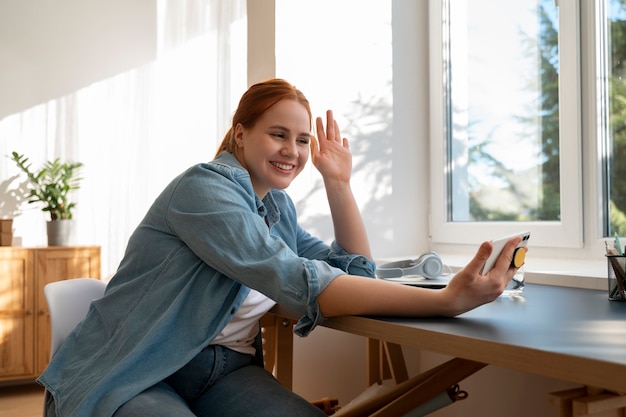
column 498, row 246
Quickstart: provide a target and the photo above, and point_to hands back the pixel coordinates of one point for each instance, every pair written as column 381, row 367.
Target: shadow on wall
column 13, row 195
column 369, row 130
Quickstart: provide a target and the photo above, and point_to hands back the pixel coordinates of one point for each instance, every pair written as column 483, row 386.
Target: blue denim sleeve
column 337, row 258
column 352, row 264
column 323, row 260
column 312, row 247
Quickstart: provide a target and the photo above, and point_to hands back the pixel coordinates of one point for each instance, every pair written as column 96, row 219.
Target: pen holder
column 616, row 265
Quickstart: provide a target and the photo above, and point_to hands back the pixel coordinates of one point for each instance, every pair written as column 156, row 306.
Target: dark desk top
column 565, row 320
column 571, row 334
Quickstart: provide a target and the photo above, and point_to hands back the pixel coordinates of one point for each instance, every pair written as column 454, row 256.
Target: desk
column 569, row 334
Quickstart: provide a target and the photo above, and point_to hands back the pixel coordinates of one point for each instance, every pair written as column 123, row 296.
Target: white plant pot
column 60, row 232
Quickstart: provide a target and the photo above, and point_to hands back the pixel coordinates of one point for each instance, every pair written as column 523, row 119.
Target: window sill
column 590, row 274
column 578, row 273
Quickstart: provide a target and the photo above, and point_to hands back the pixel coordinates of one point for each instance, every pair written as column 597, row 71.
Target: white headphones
column 428, row 265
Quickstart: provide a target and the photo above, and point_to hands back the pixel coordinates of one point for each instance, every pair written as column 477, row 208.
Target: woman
column 175, row 333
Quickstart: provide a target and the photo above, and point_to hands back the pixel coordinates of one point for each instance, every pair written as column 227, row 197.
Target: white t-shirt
column 240, row 332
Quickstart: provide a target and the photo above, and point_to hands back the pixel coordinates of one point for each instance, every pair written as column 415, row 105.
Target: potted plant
column 51, row 186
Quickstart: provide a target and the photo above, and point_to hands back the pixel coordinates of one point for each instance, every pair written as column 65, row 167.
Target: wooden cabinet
column 24, row 316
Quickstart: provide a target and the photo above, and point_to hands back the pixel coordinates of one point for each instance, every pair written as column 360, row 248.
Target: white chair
column 68, row 303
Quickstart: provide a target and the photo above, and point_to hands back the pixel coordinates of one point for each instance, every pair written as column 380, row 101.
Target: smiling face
column 276, row 148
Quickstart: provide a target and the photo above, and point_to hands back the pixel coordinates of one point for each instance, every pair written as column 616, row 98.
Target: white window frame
column 579, row 151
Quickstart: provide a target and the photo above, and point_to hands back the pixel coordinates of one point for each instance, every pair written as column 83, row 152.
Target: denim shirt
column 189, row 265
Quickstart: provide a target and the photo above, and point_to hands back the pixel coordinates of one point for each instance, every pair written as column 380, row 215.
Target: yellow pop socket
column 518, row 257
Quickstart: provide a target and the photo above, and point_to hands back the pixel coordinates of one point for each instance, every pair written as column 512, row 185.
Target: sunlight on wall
column 344, row 65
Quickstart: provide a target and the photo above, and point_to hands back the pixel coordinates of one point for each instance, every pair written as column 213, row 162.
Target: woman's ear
column 238, row 135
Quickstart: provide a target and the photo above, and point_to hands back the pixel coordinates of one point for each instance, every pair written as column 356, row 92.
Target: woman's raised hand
column 330, row 152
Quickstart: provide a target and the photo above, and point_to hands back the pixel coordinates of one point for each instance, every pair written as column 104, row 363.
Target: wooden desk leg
column 284, row 351
column 599, row 403
column 374, row 360
column 278, row 347
column 588, row 401
column 395, row 359
column 268, row 333
column 385, row 360
column 563, row 400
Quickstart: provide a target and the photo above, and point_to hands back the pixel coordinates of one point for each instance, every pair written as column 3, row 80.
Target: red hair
column 256, row 101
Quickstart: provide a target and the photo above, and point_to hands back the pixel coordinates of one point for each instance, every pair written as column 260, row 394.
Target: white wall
column 49, row 49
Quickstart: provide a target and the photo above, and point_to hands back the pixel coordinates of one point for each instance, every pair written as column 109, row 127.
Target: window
column 503, row 112
column 612, row 15
column 506, row 121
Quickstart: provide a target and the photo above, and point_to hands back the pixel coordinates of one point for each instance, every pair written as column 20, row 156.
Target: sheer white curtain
column 136, row 131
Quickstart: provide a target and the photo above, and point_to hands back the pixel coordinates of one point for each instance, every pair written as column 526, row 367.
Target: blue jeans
column 218, row 382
